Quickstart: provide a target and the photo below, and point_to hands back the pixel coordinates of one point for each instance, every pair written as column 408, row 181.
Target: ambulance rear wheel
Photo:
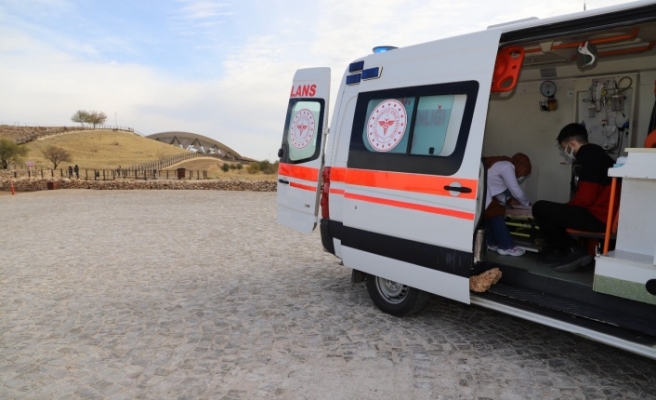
column 394, row 298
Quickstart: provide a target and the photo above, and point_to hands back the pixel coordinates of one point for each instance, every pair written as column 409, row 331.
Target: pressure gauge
column 548, row 89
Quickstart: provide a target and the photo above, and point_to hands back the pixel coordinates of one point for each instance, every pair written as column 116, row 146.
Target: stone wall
column 34, row 184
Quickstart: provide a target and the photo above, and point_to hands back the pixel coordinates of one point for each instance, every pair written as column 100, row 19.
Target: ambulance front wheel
column 394, row 298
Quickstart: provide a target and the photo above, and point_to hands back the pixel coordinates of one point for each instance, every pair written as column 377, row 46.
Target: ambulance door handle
column 458, row 189
column 283, row 181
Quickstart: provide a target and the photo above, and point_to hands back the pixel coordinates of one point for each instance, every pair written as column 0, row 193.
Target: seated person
column 504, row 174
column 586, row 211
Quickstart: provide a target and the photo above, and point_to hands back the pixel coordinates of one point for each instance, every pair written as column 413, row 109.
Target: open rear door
column 301, row 153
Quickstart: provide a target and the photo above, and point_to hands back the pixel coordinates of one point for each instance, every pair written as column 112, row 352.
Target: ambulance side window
column 417, row 129
column 437, row 124
column 302, row 135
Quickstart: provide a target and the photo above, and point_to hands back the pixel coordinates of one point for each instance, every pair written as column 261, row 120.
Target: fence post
column 103, row 175
column 42, row 173
column 61, row 173
column 198, row 175
column 29, row 173
column 86, row 174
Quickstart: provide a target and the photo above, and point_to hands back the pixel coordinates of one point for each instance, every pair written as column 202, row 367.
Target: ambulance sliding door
column 301, row 150
column 410, row 203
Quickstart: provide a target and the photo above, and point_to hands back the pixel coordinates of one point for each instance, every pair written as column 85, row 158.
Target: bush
column 253, row 168
column 240, row 166
column 225, row 167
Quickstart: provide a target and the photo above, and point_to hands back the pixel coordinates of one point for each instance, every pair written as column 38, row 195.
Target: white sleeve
column 508, row 175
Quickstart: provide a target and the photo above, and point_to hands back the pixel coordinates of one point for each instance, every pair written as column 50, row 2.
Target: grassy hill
column 101, row 149
column 106, row 149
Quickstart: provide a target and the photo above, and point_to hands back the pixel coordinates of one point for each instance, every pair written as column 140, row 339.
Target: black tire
column 394, row 298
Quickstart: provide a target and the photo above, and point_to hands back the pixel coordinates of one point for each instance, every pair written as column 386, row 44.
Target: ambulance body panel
column 400, row 186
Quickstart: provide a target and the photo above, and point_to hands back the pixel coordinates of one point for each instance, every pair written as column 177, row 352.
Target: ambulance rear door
column 301, row 152
column 411, row 202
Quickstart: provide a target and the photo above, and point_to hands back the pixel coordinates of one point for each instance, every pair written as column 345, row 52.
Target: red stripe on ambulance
column 300, row 172
column 411, row 206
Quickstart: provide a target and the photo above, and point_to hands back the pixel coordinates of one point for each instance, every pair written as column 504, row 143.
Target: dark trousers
column 554, row 218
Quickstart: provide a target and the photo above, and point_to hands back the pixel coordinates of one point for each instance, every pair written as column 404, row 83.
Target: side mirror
column 281, row 152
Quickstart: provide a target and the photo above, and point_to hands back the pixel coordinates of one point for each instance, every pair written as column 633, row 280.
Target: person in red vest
column 586, row 211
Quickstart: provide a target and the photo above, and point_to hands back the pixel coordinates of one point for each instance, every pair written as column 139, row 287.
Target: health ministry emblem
column 301, row 128
column 387, row 125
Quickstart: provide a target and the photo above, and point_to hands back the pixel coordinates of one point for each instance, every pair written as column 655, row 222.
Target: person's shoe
column 492, row 248
column 573, row 259
column 513, row 251
column 550, row 258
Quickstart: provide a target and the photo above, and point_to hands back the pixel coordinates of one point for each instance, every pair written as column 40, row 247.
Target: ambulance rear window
column 303, row 132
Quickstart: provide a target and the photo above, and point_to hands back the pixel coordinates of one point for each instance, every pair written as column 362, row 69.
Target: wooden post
column 86, row 174
column 198, row 175
column 103, row 175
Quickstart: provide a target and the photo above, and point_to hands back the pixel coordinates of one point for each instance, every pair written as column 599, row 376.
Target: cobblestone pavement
column 201, row 295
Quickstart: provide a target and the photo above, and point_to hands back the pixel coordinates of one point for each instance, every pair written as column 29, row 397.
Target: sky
column 222, row 69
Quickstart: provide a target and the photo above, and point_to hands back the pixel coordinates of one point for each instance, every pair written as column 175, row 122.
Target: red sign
column 304, row 91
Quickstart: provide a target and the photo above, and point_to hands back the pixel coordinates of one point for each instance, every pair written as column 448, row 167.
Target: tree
column 90, row 117
column 11, row 152
column 80, row 117
column 96, row 118
column 56, row 155
column 225, row 167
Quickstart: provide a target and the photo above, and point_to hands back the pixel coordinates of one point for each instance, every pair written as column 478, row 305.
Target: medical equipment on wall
column 605, row 110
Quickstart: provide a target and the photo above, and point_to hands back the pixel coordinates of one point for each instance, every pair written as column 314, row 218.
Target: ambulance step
column 576, row 308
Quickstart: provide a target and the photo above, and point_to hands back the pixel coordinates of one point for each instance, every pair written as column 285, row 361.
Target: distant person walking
column 70, row 171
column 76, row 169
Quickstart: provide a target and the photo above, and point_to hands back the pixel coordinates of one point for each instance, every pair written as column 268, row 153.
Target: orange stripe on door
column 337, row 174
column 298, row 171
column 428, row 184
column 302, row 186
column 411, row 206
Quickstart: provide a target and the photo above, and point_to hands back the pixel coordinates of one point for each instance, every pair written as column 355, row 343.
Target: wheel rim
column 391, row 291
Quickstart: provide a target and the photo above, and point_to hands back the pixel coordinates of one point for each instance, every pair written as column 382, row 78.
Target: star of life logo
column 387, row 125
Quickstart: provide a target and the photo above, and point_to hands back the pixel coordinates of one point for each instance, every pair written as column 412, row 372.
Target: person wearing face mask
column 586, row 211
column 504, row 175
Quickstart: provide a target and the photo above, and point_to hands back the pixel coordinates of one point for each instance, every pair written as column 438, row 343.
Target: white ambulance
column 397, row 186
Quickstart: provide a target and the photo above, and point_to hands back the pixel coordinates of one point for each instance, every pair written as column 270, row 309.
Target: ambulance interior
column 613, row 97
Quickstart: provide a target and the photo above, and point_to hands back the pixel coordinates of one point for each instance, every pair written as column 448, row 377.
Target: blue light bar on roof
column 356, row 66
column 372, row 73
column 382, row 49
column 353, row 79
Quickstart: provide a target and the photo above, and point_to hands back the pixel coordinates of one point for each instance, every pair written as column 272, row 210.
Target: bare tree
column 11, row 152
column 56, row 155
column 80, row 117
